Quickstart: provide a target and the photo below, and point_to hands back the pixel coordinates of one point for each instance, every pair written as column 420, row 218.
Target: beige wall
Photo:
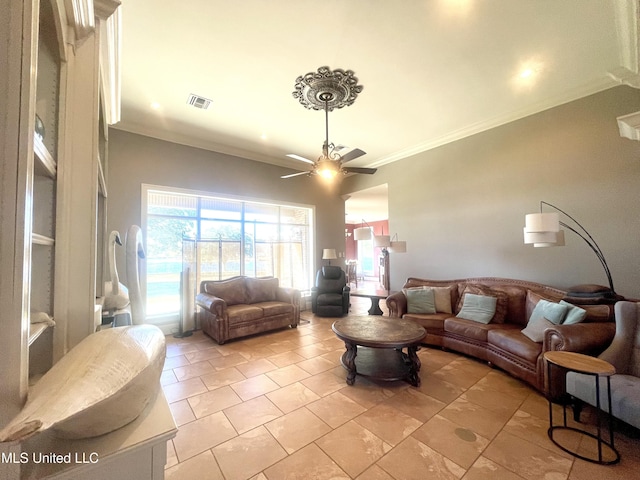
column 136, row 159
column 461, row 206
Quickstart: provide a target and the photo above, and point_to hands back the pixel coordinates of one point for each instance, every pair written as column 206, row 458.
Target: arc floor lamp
column 543, row 230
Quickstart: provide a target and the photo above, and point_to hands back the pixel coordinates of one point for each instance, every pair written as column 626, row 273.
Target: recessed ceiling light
column 458, row 7
column 264, row 136
column 526, row 73
column 155, row 105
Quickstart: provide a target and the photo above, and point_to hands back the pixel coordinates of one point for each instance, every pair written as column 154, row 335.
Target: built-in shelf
column 45, row 163
column 38, row 239
column 35, row 330
column 55, row 75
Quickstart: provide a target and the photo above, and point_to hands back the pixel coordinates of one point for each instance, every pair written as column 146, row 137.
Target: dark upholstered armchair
column 330, row 296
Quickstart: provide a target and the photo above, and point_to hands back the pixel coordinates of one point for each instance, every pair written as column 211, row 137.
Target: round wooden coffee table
column 374, row 347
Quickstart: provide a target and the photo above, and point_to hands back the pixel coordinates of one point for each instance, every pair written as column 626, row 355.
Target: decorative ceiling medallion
column 327, row 89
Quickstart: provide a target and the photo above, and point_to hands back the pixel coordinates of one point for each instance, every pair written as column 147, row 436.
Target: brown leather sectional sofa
column 241, row 306
column 502, row 344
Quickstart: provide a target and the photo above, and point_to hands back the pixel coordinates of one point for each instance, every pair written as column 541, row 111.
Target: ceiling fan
column 328, row 89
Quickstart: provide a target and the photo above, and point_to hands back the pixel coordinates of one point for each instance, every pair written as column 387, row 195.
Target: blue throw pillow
column 574, row 314
column 554, row 312
column 420, row 300
column 479, row 308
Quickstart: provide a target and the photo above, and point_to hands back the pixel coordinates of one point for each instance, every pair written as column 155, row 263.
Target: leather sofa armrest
column 289, row 295
column 215, row 305
column 587, row 338
column 397, row 304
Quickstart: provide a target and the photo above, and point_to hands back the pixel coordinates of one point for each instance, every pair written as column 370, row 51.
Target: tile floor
column 276, row 406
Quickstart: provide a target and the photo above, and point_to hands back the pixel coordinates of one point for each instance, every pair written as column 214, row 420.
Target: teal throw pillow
column 420, row 300
column 442, row 297
column 554, row 312
column 479, row 308
column 574, row 314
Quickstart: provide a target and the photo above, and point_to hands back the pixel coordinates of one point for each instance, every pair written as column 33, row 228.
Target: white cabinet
column 134, row 452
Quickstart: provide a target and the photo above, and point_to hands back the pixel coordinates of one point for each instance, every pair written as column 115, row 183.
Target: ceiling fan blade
column 353, row 154
column 368, row 171
column 298, row 157
column 295, row 174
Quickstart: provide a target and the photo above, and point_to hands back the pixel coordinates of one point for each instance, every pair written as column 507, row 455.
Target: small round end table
column 577, row 362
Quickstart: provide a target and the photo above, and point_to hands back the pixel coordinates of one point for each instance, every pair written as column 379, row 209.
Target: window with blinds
column 227, row 237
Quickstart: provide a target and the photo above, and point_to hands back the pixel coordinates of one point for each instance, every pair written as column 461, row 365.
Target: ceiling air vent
column 198, row 102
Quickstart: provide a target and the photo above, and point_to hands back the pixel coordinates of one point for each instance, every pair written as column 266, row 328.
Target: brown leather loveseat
column 501, row 342
column 241, row 306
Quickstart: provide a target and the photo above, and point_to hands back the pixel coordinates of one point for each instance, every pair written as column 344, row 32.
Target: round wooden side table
column 577, row 362
column 375, row 296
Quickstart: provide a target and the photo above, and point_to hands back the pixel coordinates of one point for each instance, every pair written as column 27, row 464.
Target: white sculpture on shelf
column 134, row 251
column 116, row 295
column 102, row 384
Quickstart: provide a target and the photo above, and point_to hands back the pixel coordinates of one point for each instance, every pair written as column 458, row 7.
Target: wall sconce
column 543, row 230
column 329, row 254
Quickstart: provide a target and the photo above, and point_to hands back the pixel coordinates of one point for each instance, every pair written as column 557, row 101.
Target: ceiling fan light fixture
column 326, row 90
column 327, row 168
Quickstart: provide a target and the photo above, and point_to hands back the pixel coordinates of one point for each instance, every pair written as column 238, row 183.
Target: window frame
column 163, row 189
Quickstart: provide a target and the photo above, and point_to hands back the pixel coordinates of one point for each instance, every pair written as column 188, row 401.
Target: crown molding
column 110, row 58
column 181, row 139
column 629, row 126
column 627, row 23
column 105, row 8
column 575, row 94
column 81, row 17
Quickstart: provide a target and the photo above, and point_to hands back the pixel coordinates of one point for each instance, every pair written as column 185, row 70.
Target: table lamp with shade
column 329, row 254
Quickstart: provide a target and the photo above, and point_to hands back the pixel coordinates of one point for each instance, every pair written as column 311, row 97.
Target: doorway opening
column 366, row 208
